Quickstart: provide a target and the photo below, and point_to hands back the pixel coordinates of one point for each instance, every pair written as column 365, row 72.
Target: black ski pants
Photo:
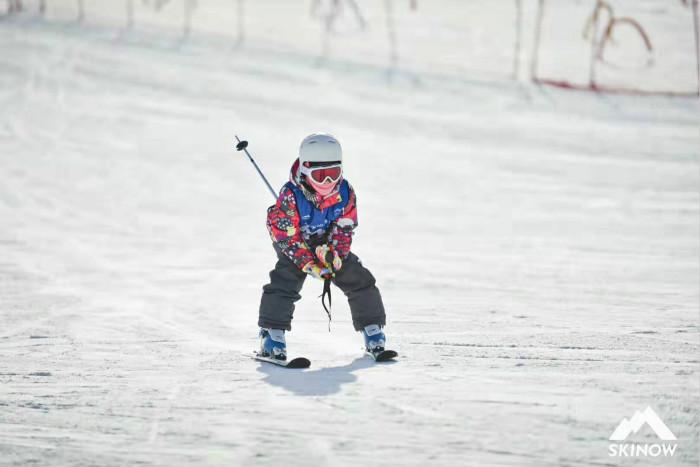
column 286, row 281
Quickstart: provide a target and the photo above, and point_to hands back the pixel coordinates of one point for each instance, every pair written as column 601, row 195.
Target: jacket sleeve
column 283, row 224
column 344, row 227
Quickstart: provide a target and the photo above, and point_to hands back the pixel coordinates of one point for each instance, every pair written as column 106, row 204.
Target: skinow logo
column 633, row 425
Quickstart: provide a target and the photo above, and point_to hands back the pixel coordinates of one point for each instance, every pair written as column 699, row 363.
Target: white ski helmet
column 320, row 147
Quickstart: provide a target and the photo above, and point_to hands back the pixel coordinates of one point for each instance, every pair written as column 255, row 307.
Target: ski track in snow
column 537, row 252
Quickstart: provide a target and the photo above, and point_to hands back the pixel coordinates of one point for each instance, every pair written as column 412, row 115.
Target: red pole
column 536, row 47
column 518, row 33
column 696, row 24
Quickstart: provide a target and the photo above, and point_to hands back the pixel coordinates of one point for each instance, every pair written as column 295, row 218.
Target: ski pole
column 241, row 146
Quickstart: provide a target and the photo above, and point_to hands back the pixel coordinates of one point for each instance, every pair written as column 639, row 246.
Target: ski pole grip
column 241, row 146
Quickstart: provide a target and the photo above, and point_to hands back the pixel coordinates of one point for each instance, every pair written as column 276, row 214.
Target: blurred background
column 528, row 193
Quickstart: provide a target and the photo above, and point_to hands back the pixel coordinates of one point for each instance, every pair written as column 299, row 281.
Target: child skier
column 311, row 226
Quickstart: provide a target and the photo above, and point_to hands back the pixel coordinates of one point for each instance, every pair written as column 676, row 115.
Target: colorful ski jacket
column 300, row 220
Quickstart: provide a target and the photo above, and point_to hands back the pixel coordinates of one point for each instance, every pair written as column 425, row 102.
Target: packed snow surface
column 537, row 251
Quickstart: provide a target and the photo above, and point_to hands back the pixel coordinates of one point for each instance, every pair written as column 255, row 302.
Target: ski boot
column 374, row 344
column 272, row 344
column 374, row 338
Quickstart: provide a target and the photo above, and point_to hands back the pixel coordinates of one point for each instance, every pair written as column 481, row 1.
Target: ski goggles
column 324, row 174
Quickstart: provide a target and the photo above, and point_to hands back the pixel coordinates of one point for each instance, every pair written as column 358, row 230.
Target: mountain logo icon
column 638, row 420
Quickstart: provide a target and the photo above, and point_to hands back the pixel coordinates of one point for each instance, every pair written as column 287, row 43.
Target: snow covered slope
column 537, row 251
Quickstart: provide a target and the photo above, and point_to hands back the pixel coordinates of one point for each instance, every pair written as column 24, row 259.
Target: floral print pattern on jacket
column 283, row 222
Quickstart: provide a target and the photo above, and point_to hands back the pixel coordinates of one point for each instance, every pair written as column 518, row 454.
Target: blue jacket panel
column 315, row 222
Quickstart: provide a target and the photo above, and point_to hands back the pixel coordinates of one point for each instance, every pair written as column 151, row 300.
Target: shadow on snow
column 322, row 382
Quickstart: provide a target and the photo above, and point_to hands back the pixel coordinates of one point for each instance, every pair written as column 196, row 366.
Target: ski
column 382, row 355
column 298, row 362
